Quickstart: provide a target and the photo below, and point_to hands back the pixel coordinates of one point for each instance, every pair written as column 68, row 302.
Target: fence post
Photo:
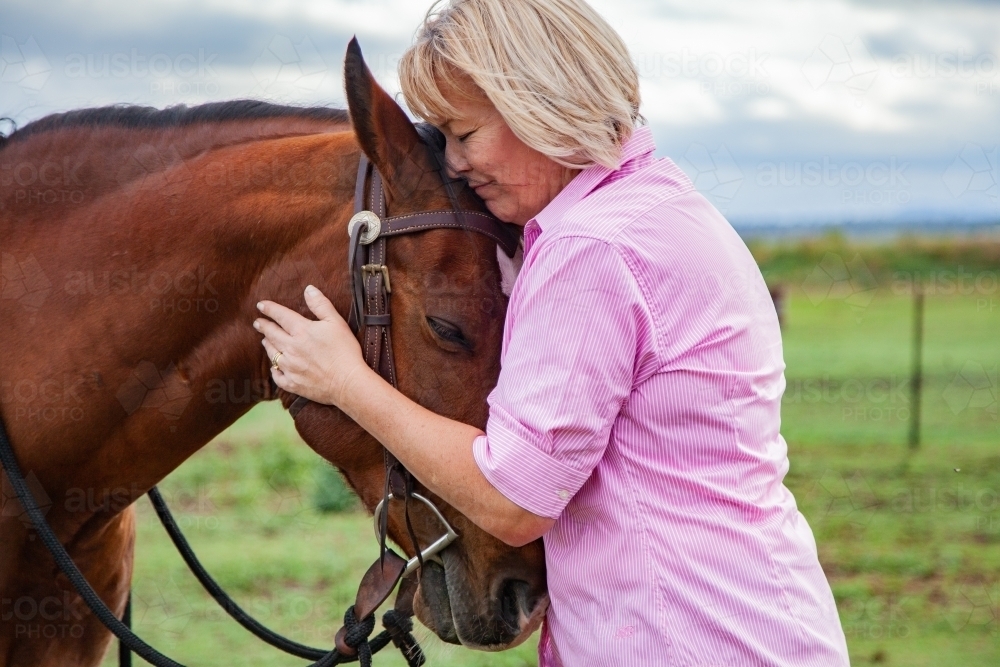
column 917, row 368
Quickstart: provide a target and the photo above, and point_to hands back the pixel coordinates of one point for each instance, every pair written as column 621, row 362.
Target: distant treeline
column 906, row 258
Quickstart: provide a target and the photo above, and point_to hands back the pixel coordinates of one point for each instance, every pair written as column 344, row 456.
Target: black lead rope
column 213, row 588
column 68, row 567
column 398, row 626
column 125, row 655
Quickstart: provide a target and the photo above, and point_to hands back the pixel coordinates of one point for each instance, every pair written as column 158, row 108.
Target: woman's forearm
column 321, row 360
column 438, row 451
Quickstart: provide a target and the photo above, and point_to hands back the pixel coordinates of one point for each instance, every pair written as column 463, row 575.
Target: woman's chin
column 502, row 209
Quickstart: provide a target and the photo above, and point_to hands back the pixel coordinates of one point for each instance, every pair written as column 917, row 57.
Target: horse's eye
column 448, row 332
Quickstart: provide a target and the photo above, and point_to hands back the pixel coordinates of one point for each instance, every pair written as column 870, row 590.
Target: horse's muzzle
column 512, row 612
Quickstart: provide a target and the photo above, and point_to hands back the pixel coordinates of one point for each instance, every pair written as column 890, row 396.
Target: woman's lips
column 486, row 192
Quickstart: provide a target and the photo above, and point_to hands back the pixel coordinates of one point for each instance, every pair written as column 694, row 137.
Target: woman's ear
column 384, row 132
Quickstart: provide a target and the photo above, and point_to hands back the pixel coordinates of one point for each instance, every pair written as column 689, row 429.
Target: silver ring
column 373, row 226
column 436, row 547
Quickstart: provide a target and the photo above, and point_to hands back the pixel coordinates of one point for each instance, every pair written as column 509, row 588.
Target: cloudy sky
column 784, row 112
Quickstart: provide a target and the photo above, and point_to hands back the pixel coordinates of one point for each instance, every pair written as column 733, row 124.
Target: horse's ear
column 385, row 133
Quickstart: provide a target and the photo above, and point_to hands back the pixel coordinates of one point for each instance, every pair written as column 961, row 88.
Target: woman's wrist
column 356, row 386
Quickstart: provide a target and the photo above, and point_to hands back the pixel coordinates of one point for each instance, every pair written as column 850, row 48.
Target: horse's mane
column 130, row 116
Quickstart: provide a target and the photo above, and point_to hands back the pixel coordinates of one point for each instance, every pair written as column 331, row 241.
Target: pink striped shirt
column 638, row 405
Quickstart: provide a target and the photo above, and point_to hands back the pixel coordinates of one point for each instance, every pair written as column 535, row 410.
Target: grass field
column 910, row 540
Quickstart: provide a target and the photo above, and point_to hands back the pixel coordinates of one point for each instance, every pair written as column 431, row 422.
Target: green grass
column 247, row 503
column 910, row 540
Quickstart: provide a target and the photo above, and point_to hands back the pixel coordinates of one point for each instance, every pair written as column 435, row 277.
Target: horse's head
column 447, row 323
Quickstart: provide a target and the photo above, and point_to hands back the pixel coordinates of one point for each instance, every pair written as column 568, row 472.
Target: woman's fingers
column 287, row 318
column 281, row 374
column 273, row 332
column 319, row 304
column 317, row 356
column 272, row 352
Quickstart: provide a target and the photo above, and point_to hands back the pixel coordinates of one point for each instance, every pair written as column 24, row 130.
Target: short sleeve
column 575, row 320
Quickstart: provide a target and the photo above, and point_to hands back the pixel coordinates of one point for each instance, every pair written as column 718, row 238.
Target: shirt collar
column 587, row 180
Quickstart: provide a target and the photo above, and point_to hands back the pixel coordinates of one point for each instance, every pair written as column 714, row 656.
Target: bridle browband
column 370, row 229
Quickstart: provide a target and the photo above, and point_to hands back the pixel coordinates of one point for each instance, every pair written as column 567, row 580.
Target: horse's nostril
column 513, row 599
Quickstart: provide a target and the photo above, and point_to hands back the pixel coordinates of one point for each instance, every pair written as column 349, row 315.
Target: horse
column 135, row 245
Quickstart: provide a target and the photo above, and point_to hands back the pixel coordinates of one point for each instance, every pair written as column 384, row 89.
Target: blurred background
column 854, row 145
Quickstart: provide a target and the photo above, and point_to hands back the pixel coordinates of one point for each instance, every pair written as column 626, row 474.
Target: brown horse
column 135, row 245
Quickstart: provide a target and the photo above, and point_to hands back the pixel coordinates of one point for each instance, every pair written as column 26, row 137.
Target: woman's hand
column 319, row 358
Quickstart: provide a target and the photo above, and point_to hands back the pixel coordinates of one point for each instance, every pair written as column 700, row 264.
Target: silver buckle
column 373, row 226
column 436, row 547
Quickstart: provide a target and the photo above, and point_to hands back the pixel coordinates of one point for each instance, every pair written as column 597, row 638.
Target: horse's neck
column 156, row 292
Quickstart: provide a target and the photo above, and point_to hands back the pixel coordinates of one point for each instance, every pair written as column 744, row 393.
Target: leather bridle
column 370, row 229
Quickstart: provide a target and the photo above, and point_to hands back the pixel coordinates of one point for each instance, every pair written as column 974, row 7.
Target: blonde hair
column 557, row 73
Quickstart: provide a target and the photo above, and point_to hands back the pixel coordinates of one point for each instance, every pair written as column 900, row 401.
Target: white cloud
column 771, row 79
column 783, row 36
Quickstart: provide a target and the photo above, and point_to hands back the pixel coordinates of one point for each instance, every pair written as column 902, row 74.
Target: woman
column 635, row 423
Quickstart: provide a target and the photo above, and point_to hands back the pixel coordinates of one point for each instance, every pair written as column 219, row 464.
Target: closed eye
column 448, row 332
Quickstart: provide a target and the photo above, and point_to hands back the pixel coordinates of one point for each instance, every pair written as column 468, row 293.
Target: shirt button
column 563, row 493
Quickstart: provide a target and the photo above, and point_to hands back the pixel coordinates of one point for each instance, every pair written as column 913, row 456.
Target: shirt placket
column 531, row 233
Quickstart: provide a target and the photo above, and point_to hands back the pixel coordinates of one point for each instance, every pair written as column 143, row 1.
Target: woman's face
column 514, row 180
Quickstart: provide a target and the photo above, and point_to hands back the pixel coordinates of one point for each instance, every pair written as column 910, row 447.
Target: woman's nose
column 455, row 162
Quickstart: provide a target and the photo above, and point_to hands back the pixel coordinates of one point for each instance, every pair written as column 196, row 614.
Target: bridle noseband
column 370, row 229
